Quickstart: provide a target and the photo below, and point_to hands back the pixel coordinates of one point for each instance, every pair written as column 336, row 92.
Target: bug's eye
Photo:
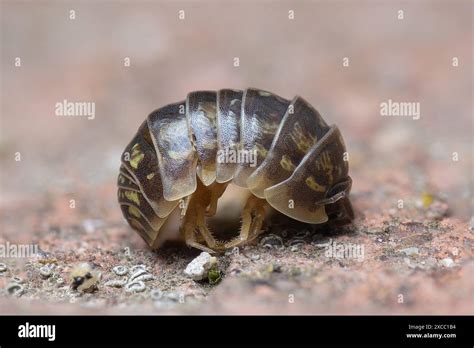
column 88, row 275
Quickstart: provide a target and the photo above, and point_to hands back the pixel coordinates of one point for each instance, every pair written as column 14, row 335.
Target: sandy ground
column 412, row 188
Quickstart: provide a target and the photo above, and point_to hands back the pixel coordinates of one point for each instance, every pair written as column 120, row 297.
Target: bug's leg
column 252, row 220
column 190, row 238
column 195, row 218
column 217, row 190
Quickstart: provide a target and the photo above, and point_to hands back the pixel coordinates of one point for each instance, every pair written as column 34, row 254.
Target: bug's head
column 337, row 204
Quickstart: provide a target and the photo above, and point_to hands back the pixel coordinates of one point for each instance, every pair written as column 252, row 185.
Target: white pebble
column 90, row 225
column 198, row 268
column 447, row 262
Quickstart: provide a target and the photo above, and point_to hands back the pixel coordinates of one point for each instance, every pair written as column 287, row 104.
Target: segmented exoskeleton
column 188, row 152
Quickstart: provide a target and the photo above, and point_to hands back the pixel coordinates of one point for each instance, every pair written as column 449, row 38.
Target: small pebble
column 3, row 267
column 471, row 223
column 255, row 257
column 412, row 251
column 272, row 241
column 295, row 248
column 233, row 251
column 18, row 280
column 15, row 289
column 156, row 294
column 447, row 262
column 137, row 286
column 198, row 268
column 46, row 271
column 319, row 241
column 173, row 296
column 90, row 225
column 120, row 270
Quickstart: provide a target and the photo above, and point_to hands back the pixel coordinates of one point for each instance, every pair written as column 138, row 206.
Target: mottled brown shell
column 300, row 166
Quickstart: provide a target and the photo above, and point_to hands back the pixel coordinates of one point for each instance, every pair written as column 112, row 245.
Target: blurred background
column 82, row 59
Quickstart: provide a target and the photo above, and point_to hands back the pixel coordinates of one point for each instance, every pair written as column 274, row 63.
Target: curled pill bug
column 116, row 283
column 136, row 286
column 120, row 270
column 272, row 241
column 282, row 151
column 15, row 289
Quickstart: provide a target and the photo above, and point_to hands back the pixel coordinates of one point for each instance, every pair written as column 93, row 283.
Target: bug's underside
column 187, row 153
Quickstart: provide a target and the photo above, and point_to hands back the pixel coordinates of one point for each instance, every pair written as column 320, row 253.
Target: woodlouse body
column 181, row 154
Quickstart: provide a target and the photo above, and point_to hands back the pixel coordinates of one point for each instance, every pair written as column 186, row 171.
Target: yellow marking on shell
column 233, row 101
column 177, row 155
column 137, row 156
column 134, row 223
column 132, row 196
column 170, row 130
column 324, row 163
column 268, row 127
column 303, row 142
column 209, row 109
column 150, row 176
column 311, row 182
column 261, row 151
column 134, row 211
column 264, row 94
column 287, row 164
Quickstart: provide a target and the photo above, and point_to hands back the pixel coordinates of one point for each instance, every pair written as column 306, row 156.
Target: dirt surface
column 412, row 193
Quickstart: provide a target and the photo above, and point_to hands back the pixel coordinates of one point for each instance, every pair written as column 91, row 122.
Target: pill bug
column 186, row 154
